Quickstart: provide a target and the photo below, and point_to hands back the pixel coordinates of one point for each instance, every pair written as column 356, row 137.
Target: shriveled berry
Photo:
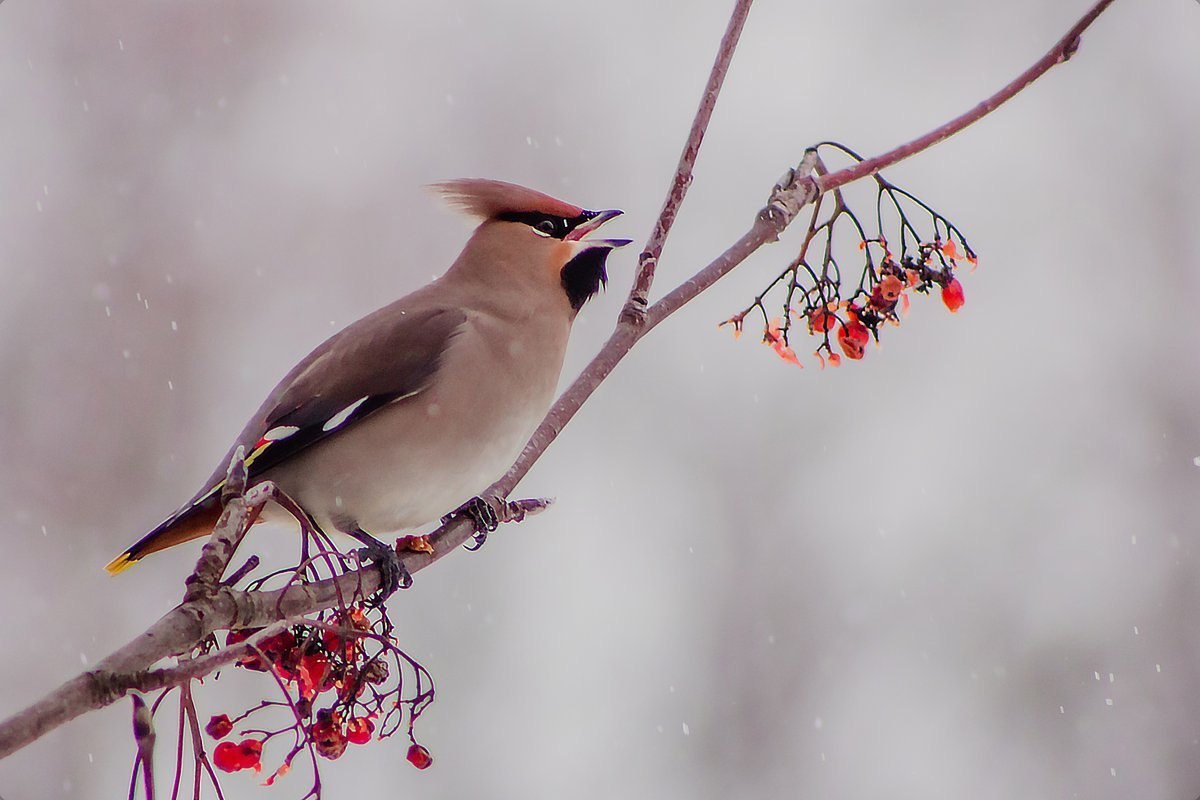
column 219, row 726
column 419, row 757
column 375, row 671
column 853, row 338
column 889, row 288
column 326, row 734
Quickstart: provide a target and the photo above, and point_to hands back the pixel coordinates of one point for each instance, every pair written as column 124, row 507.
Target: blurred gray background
column 965, row 567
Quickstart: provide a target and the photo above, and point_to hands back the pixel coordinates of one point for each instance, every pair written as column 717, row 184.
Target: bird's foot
column 393, row 574
column 484, row 517
column 486, row 514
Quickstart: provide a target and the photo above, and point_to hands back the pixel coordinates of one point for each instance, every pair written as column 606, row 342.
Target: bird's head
column 528, row 237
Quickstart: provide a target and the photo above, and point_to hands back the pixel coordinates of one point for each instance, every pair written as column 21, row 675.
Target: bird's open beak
column 592, row 224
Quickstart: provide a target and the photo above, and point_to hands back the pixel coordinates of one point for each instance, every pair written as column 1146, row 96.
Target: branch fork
column 792, row 193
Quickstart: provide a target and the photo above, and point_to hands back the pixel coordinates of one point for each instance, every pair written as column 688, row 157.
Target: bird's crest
column 487, row 199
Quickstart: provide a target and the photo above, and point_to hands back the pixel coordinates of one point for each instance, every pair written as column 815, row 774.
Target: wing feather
column 384, row 358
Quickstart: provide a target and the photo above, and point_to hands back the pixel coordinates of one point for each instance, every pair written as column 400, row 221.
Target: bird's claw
column 486, row 516
column 483, row 516
column 393, row 574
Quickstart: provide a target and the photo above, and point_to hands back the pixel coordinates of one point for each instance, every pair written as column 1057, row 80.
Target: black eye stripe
column 548, row 224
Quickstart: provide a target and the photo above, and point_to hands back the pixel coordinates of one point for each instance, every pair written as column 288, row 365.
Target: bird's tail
column 191, row 522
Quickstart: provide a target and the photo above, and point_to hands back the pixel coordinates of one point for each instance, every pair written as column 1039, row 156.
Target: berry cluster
column 336, row 676
column 852, row 313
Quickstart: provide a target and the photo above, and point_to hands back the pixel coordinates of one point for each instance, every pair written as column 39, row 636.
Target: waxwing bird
column 416, row 408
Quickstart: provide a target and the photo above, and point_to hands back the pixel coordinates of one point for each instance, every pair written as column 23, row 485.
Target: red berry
column 419, row 757
column 338, row 647
column 219, row 726
column 314, row 674
column 359, row 730
column 853, row 338
column 226, row 757
column 952, row 295
column 251, row 753
column 230, row 757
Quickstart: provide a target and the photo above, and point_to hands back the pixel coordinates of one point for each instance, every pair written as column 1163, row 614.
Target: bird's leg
column 309, row 530
column 393, row 574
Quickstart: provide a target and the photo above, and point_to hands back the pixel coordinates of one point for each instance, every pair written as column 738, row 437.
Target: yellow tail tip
column 120, row 563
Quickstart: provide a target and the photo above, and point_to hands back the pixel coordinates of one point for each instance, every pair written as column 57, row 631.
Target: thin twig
column 143, row 736
column 635, row 307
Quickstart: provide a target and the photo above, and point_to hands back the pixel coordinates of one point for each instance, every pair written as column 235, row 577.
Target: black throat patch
column 584, row 274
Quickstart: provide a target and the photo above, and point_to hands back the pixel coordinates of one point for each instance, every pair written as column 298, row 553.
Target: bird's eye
column 544, row 227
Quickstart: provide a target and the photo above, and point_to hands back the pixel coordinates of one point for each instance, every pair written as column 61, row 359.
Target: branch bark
column 209, row 607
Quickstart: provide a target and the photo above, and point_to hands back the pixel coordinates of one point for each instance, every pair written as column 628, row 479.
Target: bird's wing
column 384, row 358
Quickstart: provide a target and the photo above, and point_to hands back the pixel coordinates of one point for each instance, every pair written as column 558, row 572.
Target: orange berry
column 821, row 321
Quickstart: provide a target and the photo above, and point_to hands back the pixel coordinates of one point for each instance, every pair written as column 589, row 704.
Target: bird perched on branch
column 415, row 409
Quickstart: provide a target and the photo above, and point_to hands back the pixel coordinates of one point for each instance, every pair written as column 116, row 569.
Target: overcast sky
column 964, row 567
